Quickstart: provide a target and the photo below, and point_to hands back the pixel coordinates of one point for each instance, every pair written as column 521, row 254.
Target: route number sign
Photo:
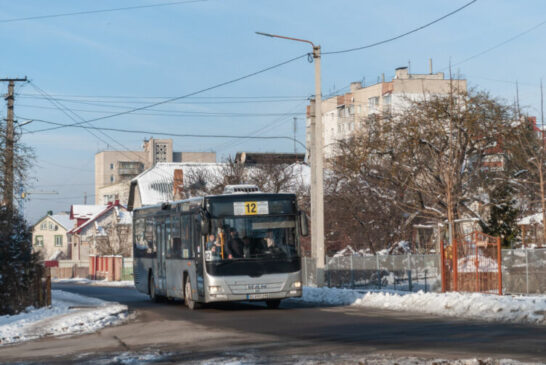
column 250, row 208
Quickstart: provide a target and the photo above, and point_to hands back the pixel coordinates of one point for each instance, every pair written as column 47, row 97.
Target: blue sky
column 97, row 64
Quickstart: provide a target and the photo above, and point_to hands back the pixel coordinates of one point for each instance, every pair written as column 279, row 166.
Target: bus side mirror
column 304, row 228
column 205, row 224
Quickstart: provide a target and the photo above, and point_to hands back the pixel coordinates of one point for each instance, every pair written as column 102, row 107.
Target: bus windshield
column 240, row 238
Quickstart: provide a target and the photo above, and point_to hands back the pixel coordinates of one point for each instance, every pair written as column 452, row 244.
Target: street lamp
column 317, row 186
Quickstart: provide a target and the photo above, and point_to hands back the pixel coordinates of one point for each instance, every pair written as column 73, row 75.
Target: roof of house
column 62, row 219
column 155, row 185
column 124, row 217
column 531, row 219
column 80, row 211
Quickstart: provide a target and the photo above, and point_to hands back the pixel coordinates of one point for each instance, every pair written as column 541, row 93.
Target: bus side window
column 140, row 246
column 149, row 236
column 196, row 224
column 177, row 241
column 168, row 237
column 185, row 233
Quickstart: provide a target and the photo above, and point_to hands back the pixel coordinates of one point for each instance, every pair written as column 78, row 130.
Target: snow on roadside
column 68, row 314
column 123, row 283
column 514, row 309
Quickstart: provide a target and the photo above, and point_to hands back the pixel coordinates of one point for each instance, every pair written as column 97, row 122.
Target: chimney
column 356, row 86
column 178, row 184
column 401, row 73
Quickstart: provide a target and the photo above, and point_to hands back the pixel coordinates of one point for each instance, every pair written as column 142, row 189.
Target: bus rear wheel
column 188, row 298
column 273, row 304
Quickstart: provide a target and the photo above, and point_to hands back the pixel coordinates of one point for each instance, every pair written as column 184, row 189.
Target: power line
column 402, row 35
column 169, row 97
column 98, row 11
column 169, row 134
column 64, row 109
column 172, row 113
column 499, row 44
column 180, row 97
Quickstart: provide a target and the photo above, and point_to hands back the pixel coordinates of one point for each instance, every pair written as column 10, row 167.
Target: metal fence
column 397, row 272
column 523, row 272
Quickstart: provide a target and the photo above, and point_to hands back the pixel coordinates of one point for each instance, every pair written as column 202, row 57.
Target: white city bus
column 230, row 247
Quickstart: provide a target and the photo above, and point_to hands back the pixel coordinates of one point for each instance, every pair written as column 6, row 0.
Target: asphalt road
column 240, row 329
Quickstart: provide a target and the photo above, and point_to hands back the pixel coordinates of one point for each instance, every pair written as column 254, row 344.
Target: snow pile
column 530, row 309
column 122, row 283
column 68, row 314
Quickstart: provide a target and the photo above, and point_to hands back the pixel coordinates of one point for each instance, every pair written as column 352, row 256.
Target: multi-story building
column 343, row 114
column 114, row 169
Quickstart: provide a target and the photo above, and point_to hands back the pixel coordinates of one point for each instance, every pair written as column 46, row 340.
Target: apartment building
column 114, row 169
column 343, row 114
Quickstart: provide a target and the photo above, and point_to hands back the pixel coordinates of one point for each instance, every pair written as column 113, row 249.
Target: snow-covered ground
column 514, row 309
column 123, row 283
column 254, row 357
column 68, row 314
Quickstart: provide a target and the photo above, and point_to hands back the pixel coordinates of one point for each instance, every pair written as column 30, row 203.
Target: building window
column 39, row 241
column 111, row 178
column 51, row 226
column 373, row 102
column 111, row 166
column 58, row 240
column 43, row 226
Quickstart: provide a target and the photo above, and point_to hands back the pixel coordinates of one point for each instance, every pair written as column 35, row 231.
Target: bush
column 20, row 272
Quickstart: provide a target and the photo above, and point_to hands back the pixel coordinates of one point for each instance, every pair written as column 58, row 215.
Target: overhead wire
column 182, row 96
column 98, row 11
column 403, row 34
column 67, row 111
column 164, row 133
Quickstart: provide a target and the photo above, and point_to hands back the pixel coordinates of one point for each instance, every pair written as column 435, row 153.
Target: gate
column 473, row 264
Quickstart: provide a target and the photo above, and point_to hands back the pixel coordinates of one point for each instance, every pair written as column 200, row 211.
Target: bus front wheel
column 152, row 291
column 188, row 297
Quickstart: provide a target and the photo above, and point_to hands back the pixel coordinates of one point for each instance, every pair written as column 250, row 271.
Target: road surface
column 250, row 332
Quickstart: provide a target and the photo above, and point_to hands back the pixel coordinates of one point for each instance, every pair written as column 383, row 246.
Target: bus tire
column 152, row 290
column 188, row 299
column 273, row 303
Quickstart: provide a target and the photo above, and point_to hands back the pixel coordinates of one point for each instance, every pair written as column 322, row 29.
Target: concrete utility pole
column 7, row 198
column 317, row 167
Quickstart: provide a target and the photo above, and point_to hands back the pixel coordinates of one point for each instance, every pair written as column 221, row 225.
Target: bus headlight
column 215, row 289
column 296, row 284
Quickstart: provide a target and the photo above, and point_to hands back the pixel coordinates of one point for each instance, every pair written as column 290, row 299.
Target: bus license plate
column 257, row 296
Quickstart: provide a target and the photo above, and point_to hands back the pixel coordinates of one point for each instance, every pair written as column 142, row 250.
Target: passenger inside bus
column 214, row 246
column 234, row 245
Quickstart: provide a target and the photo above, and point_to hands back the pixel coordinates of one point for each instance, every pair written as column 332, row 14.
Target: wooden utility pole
column 7, row 193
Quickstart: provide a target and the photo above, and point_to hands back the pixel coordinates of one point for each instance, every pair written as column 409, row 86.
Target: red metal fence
column 473, row 264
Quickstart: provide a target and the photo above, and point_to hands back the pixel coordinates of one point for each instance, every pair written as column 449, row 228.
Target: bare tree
column 527, row 164
column 113, row 238
column 428, row 160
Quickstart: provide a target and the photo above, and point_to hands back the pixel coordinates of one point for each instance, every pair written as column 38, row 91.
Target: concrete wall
column 111, row 193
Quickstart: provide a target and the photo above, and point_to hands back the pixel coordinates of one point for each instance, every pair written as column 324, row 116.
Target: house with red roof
column 101, row 230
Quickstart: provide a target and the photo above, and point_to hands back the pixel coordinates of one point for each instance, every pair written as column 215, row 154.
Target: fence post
column 442, row 267
column 499, row 258
column 454, row 250
column 426, row 280
column 304, row 276
column 527, row 270
column 377, row 270
column 410, row 286
column 352, row 273
column 329, row 273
